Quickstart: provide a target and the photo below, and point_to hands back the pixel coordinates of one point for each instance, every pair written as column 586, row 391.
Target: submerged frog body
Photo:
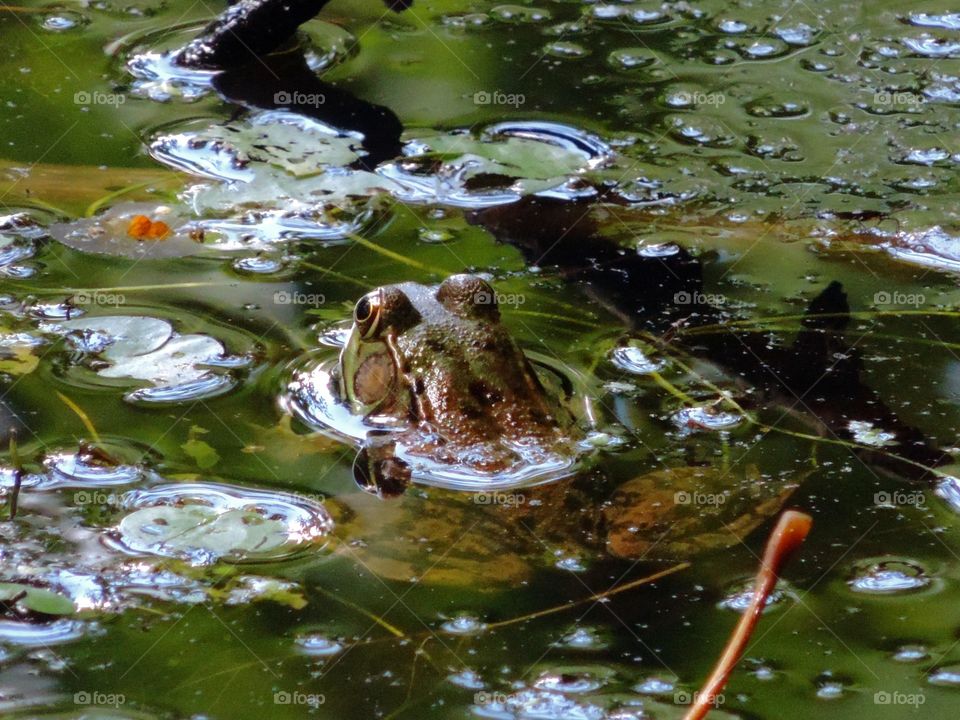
column 435, row 366
column 442, row 387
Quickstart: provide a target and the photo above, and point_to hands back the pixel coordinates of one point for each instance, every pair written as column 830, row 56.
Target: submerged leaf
column 192, row 528
column 34, row 599
column 18, row 360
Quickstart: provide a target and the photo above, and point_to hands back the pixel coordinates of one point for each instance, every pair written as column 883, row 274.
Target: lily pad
column 18, row 360
column 35, row 600
column 107, row 233
column 293, row 143
column 148, row 349
column 195, row 528
column 205, row 522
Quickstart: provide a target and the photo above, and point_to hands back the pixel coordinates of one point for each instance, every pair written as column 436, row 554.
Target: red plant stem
column 784, row 541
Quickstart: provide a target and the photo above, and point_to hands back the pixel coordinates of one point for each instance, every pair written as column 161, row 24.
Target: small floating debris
column 141, row 227
column 866, row 434
column 135, row 230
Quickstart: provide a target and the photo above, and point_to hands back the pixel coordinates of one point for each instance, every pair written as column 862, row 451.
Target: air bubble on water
column 829, row 689
column 463, row 625
column 778, row 109
column 520, row 14
column 945, row 21
column 468, row 679
column 738, row 599
column 920, row 156
column 931, row 47
column 800, row 34
column 948, row 488
column 259, row 265
column 39, row 634
column 948, row 676
column 318, row 645
column 566, row 50
column 632, row 58
column 435, row 236
column 911, row 653
column 634, row 360
column 764, row 673
column 568, row 682
column 732, row 26
column 62, row 21
column 570, row 564
column 537, row 703
column 582, row 638
column 763, row 49
column 706, row 418
column 888, row 577
column 656, row 686
column 658, row 250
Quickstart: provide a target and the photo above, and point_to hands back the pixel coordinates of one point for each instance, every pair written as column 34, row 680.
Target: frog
column 438, row 375
column 436, row 367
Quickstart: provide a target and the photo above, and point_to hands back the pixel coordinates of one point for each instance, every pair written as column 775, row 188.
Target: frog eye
column 366, row 314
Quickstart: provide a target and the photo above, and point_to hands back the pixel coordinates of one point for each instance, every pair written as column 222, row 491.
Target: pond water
column 199, row 508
